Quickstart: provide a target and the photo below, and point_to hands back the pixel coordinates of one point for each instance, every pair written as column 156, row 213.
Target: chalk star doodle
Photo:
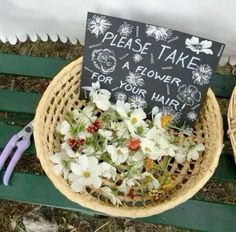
column 202, row 74
column 125, row 29
column 137, row 102
column 137, row 58
column 188, row 94
column 195, row 46
column 98, row 25
column 159, row 33
column 120, row 96
column 192, row 115
column 134, row 79
column 104, row 60
column 168, row 110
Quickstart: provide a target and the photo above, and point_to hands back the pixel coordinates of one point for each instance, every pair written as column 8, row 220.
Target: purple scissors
column 17, row 144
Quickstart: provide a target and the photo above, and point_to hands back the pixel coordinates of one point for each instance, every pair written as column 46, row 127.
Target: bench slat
column 194, row 214
column 49, row 67
column 31, row 65
column 18, row 102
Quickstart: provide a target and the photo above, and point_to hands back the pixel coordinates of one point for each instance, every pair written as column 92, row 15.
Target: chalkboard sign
column 149, row 65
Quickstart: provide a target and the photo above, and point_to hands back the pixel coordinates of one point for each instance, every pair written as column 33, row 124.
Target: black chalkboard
column 149, row 65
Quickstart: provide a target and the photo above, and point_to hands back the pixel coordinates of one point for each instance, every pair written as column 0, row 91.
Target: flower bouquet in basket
column 120, row 154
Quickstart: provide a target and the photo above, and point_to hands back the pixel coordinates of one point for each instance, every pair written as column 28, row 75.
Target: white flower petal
column 76, row 169
column 57, row 169
column 64, row 128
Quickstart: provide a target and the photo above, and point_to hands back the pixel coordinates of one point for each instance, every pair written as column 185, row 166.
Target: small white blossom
column 118, row 154
column 85, row 172
column 108, row 171
column 61, row 164
column 149, row 148
column 194, row 150
column 64, row 129
column 107, row 192
column 105, row 133
column 154, row 184
column 122, row 108
column 65, row 147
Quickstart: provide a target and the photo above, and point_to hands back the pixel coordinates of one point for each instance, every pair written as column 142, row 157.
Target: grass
column 11, row 213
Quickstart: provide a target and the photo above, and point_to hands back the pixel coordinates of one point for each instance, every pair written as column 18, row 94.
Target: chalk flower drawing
column 159, row 33
column 98, row 25
column 137, row 102
column 194, row 45
column 169, row 111
column 134, row 79
column 104, row 60
column 202, row 74
column 188, row 94
column 192, row 115
column 120, row 96
column 125, row 29
column 137, row 58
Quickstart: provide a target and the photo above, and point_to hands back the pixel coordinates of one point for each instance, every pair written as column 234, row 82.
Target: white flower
column 107, row 192
column 108, row 171
column 134, row 79
column 180, row 155
column 101, row 100
column 118, row 154
column 89, row 150
column 194, row 150
column 125, row 29
column 65, row 147
column 154, row 184
column 61, row 164
column 136, row 120
column 137, row 58
column 137, row 102
column 64, row 129
column 138, row 156
column 159, row 33
column 85, row 172
column 85, row 116
column 194, row 45
column 94, row 88
column 105, row 133
column 97, row 25
column 122, row 108
column 169, row 111
column 149, row 148
column 202, row 74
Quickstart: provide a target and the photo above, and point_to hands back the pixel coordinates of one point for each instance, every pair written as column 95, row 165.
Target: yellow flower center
column 86, row 174
column 147, row 149
column 119, row 152
column 165, row 120
column 134, row 120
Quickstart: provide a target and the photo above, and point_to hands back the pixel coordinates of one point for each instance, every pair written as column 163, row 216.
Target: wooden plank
column 18, row 102
column 226, row 170
column 31, row 65
column 49, row 67
column 194, row 214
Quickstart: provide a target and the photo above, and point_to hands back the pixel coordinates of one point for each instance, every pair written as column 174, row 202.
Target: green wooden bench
column 195, row 214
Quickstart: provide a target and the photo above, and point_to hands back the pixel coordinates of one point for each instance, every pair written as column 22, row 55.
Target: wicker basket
column 232, row 121
column 190, row 177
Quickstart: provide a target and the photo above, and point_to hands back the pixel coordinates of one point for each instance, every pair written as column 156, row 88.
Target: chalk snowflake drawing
column 169, row 110
column 195, row 46
column 134, row 79
column 98, row 25
column 192, row 116
column 137, row 102
column 137, row 58
column 125, row 29
column 188, row 94
column 202, row 74
column 120, row 96
column 159, row 33
column 104, row 60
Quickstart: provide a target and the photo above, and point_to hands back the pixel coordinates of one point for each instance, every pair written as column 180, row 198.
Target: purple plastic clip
column 19, row 142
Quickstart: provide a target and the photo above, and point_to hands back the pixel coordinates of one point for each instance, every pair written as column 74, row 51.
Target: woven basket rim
column 64, row 188
column 230, row 115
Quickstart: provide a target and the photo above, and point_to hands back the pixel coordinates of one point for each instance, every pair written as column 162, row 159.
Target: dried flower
column 133, row 144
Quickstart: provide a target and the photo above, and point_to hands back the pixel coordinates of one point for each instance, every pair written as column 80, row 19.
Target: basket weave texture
column 232, row 121
column 62, row 94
